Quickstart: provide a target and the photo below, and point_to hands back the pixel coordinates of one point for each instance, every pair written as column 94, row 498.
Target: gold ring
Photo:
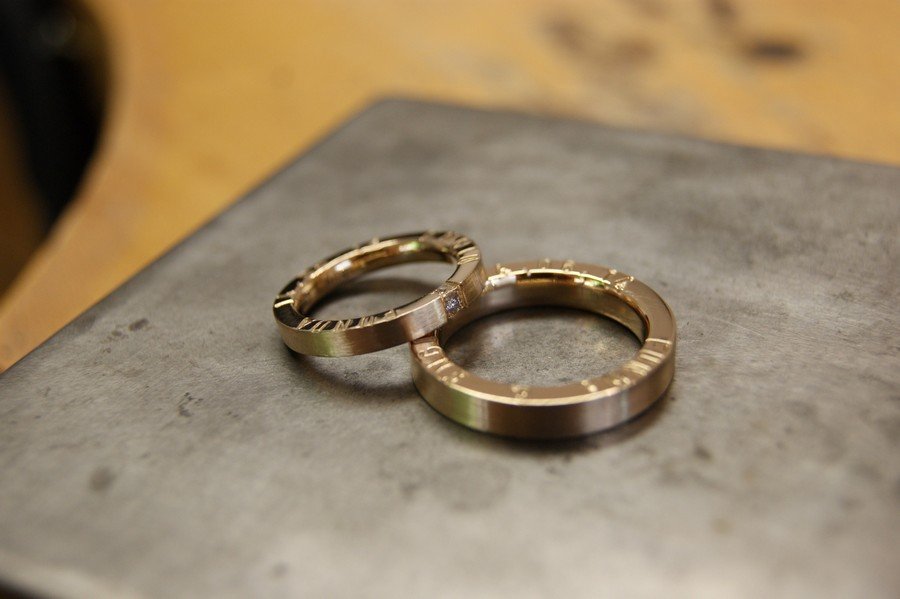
column 317, row 337
column 560, row 411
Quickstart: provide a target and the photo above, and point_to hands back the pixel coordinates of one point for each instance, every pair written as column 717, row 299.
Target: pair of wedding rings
column 534, row 412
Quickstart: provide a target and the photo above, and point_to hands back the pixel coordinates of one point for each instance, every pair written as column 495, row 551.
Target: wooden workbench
column 209, row 97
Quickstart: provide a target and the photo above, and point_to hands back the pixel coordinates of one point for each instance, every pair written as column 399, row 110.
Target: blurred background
column 126, row 125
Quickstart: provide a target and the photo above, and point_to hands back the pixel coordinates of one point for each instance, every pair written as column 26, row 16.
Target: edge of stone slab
column 406, row 103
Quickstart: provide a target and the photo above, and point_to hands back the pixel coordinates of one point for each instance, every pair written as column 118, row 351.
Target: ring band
column 581, row 408
column 354, row 336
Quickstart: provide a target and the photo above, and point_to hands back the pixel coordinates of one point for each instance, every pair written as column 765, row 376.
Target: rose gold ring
column 536, row 412
column 318, row 337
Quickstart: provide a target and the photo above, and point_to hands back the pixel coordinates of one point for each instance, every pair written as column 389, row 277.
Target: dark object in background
column 51, row 63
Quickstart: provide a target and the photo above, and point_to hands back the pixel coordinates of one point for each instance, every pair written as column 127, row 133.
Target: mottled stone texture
column 166, row 443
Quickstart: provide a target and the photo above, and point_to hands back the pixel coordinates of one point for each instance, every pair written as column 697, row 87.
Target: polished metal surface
column 374, row 332
column 554, row 411
column 166, row 443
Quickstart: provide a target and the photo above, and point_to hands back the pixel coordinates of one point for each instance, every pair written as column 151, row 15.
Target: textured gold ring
column 537, row 412
column 347, row 337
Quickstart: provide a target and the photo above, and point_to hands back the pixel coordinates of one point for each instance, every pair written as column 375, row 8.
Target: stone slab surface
column 166, row 444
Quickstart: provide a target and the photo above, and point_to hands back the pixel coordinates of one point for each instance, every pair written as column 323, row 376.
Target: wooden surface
column 208, row 97
column 22, row 226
